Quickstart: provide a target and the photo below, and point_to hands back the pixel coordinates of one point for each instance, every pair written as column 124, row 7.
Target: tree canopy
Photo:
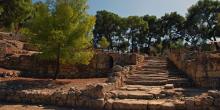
column 64, row 18
column 14, row 13
column 63, row 31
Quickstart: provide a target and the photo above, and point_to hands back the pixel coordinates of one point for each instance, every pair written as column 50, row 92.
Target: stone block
column 168, row 86
column 155, row 104
column 214, row 93
column 167, row 106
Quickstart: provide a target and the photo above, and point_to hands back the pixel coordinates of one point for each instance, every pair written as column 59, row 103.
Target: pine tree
column 63, row 31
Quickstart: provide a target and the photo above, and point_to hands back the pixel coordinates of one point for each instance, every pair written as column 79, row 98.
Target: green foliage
column 154, row 31
column 14, row 13
column 172, row 26
column 108, row 25
column 137, row 28
column 65, row 26
column 177, row 45
column 201, row 20
column 103, row 43
column 123, row 46
column 1, row 10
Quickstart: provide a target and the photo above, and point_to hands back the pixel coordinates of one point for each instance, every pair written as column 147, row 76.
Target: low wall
column 93, row 97
column 100, row 66
column 202, row 67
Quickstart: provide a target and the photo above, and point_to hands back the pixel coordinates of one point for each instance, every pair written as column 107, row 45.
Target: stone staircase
column 154, row 84
column 157, row 73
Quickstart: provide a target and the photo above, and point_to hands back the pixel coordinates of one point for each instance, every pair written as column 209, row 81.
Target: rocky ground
column 13, row 106
column 47, row 84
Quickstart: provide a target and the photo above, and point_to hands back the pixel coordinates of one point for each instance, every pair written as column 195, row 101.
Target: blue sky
column 140, row 7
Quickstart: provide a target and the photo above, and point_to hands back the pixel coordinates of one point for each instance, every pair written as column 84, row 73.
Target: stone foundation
column 100, row 66
column 93, row 97
column 202, row 67
column 76, row 98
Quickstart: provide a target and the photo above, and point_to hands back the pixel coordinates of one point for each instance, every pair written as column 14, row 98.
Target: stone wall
column 100, row 65
column 98, row 100
column 93, row 97
column 202, row 67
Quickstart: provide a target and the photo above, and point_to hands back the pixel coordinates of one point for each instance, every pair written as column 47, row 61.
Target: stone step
column 148, row 83
column 152, row 70
column 157, row 61
column 154, row 67
column 151, row 75
column 147, row 78
column 126, row 104
column 124, row 94
column 155, row 64
column 140, row 87
column 147, row 73
column 134, row 104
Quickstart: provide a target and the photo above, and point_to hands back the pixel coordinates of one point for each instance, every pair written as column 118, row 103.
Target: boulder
column 117, row 68
column 214, row 93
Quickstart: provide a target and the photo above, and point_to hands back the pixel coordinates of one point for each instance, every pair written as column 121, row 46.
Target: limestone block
column 168, row 106
column 155, row 104
column 129, row 104
column 214, row 93
column 168, row 86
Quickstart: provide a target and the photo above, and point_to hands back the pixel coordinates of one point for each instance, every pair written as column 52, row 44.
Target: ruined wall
column 93, row 96
column 100, row 65
column 202, row 67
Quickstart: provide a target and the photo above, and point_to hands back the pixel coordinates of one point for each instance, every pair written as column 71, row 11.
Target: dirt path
column 7, row 106
column 47, row 84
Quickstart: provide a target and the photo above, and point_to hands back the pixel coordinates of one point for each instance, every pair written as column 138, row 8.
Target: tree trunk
column 57, row 63
column 216, row 43
column 148, row 45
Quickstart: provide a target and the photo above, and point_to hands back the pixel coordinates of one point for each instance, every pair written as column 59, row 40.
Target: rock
column 111, row 79
column 155, row 104
column 132, row 67
column 168, row 106
column 108, row 105
column 180, row 105
column 117, row 68
column 190, row 104
column 198, row 101
column 96, row 104
column 129, row 104
column 118, row 74
column 82, row 101
column 168, row 92
column 95, row 91
column 214, row 93
column 169, row 86
column 217, row 102
column 207, row 102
